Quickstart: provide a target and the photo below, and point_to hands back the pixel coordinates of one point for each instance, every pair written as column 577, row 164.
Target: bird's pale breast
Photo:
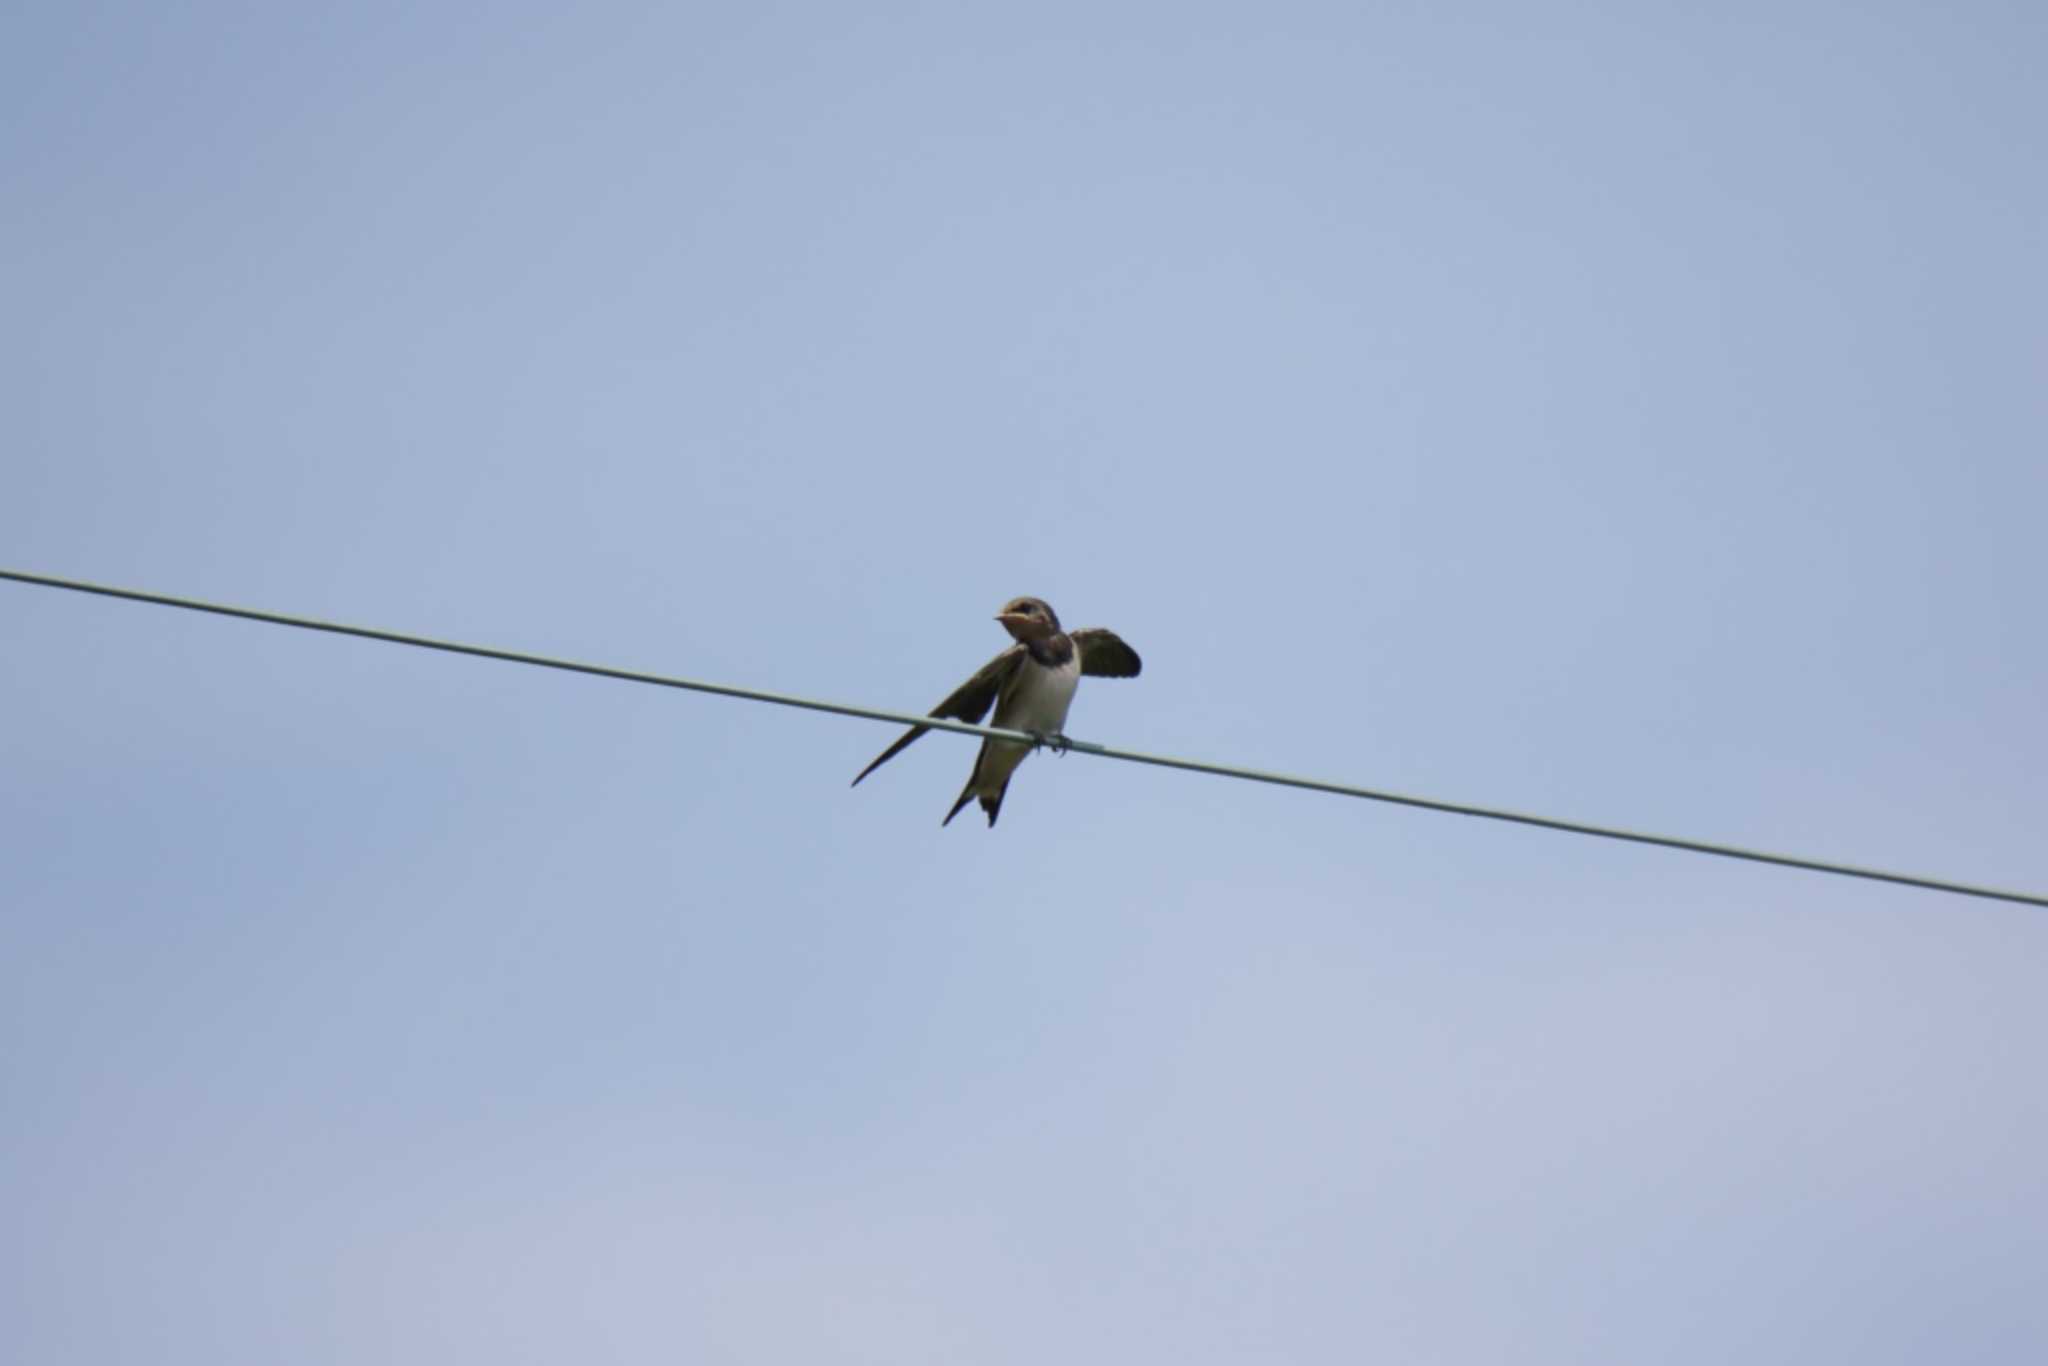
column 1039, row 701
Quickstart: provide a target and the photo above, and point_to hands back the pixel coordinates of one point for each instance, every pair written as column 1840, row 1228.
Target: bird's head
column 1028, row 619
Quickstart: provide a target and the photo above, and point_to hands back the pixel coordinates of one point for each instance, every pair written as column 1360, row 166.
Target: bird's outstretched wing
column 969, row 702
column 1104, row 654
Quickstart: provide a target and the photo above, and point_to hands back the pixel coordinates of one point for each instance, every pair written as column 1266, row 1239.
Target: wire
column 1078, row 746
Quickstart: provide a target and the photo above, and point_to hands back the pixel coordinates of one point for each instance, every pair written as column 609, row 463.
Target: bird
column 1031, row 685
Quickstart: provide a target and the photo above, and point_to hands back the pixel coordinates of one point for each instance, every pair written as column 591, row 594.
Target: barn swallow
column 1031, row 684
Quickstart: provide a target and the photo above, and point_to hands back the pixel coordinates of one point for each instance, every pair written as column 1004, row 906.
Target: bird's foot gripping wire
column 1050, row 739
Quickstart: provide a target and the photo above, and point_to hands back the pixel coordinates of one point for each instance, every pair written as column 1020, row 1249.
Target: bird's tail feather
column 990, row 804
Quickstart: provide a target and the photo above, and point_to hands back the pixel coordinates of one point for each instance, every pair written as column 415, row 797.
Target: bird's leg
column 1050, row 739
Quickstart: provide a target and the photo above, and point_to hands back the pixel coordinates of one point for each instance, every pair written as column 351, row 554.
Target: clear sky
column 1634, row 413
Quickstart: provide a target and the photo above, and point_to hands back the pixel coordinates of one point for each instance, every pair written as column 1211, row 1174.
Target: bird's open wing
column 969, row 702
column 1103, row 654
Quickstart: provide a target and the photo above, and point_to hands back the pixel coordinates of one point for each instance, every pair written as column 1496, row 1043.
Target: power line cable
column 1077, row 746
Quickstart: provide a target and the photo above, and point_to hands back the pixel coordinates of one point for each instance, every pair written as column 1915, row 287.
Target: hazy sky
column 1632, row 413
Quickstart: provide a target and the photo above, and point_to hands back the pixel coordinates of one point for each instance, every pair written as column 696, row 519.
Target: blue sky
column 1629, row 413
